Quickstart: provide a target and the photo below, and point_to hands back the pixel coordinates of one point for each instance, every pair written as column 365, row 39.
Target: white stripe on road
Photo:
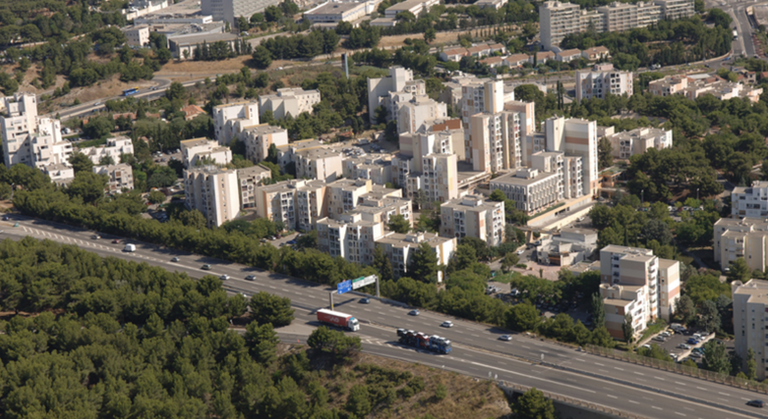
column 612, row 396
column 617, row 368
column 632, row 401
column 597, row 363
column 639, row 373
column 657, row 408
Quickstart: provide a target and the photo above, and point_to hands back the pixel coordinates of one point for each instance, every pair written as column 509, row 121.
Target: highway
column 477, row 350
column 738, row 12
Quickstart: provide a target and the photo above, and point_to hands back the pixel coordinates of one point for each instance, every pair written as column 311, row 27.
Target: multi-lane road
column 476, row 348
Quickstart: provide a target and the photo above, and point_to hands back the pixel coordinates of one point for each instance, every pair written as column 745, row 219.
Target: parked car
column 692, row 341
column 659, row 338
column 684, row 346
column 447, row 323
column 506, row 338
column 521, row 251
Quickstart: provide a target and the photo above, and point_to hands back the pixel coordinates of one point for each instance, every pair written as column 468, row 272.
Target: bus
column 131, row 91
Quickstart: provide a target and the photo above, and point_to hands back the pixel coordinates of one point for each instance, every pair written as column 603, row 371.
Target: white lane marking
column 632, row 401
column 659, row 378
column 681, row 414
column 579, row 359
column 724, row 394
column 612, row 396
column 700, row 388
column 657, row 408
column 526, row 347
column 597, row 363
column 639, row 373
column 617, row 368
column 679, row 383
column 533, row 377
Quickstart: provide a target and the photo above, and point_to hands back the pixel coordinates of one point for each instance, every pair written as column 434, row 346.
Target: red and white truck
column 338, row 319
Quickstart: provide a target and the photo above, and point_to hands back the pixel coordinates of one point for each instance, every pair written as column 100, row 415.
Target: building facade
column 289, row 101
column 120, row 177
column 114, row 148
column 204, row 151
column 637, row 141
column 750, row 304
column 601, row 80
column 745, row 238
column 400, row 247
column 233, row 118
column 750, row 201
column 381, row 90
column 258, row 139
column 230, row 10
column 473, row 216
column 250, row 178
column 28, row 138
column 213, row 191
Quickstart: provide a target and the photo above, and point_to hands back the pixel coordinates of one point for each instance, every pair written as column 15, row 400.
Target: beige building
column 204, row 151
column 419, row 112
column 289, row 101
column 230, row 10
column 231, row 119
column 575, row 137
column 114, row 148
column 427, row 167
column 137, row 35
column 569, row 247
column 277, row 202
column 750, row 303
column 334, row 12
column 349, row 237
column 213, row 191
column 532, row 190
column 183, row 47
column 556, row 20
column 376, row 167
column 478, row 96
column 473, row 216
column 259, row 138
column 399, row 86
column 636, row 275
column 413, row 6
column 250, row 178
column 319, row 163
column 698, row 85
column 60, row 173
column 637, row 141
column 495, row 141
column 741, row 238
column 601, row 80
column 120, row 177
column 400, row 247
column 750, row 201
column 675, row 9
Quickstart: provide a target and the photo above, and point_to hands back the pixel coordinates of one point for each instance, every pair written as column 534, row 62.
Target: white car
column 521, row 251
column 447, row 323
column 224, row 277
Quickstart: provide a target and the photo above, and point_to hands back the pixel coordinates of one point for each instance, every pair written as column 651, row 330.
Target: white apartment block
column 568, row 248
column 289, row 101
column 478, row 96
column 750, row 201
column 60, row 173
column 427, row 167
column 230, row 10
column 204, row 151
column 494, row 141
column 213, row 191
column 637, row 141
column 259, row 138
column 413, row 6
column 114, row 148
column 698, row 85
column 750, row 307
column 473, row 216
column 250, row 178
column 319, row 163
column 345, row 195
column 233, row 118
column 381, row 90
column 419, row 112
column 601, row 80
column 137, row 35
column 745, row 238
column 333, row 12
column 531, row 189
column 575, row 137
column 349, row 237
column 28, row 138
column 400, row 247
column 120, row 177
column 492, row 4
column 558, row 19
column 635, row 275
column 376, row 167
column 298, row 204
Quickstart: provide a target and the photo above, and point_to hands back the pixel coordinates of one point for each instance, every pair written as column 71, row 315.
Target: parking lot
column 673, row 343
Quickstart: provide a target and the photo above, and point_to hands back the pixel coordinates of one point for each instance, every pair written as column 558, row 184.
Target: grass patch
column 654, row 328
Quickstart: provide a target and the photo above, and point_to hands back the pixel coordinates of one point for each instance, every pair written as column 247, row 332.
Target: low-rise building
column 319, row 163
column 120, row 177
column 289, row 101
column 542, row 57
column 453, row 54
column 491, row 4
column 516, row 60
column 568, row 55
column 202, row 151
column 213, row 191
column 333, row 13
column 694, row 86
column 571, row 246
column 258, row 139
column 114, row 148
column 413, row 6
column 250, row 178
column 231, row 119
column 601, row 80
column 637, row 141
column 137, row 35
column 400, row 247
column 185, row 47
column 750, row 201
column 532, row 190
column 60, row 173
column 750, row 304
column 190, row 112
column 595, row 53
column 745, row 238
column 473, row 216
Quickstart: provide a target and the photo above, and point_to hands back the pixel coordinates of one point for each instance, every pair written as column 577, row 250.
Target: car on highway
column 95, row 237
column 116, row 241
column 206, row 267
column 447, row 323
column 6, row 218
column 755, row 403
column 505, row 338
column 224, row 277
column 175, row 259
column 16, row 224
column 365, row 301
column 250, row 278
column 414, row 313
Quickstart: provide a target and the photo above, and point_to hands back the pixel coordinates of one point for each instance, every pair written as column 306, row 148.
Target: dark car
column 755, row 403
column 413, row 313
column 365, row 301
column 206, row 267
column 116, row 241
column 6, row 218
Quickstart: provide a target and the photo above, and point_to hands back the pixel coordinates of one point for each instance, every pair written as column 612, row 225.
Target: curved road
column 477, row 350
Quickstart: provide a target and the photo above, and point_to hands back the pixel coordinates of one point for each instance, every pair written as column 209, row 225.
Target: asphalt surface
column 477, row 350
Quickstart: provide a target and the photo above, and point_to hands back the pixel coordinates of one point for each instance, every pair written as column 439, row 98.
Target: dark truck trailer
column 420, row 340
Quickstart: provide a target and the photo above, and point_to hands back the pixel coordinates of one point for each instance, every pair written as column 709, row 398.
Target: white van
column 130, row 248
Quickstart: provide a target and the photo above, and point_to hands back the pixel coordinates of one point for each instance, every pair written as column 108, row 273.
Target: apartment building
column 289, row 101
column 698, row 85
column 419, row 112
column 137, row 35
column 413, row 6
column 473, row 216
column 277, row 202
column 750, row 201
column 60, row 173
column 311, row 204
column 494, row 141
column 230, row 10
column 231, row 119
column 213, row 191
column 120, row 177
column 427, row 167
column 750, row 305
column 630, row 274
column 491, row 4
column 531, row 189
column 478, row 96
column 601, row 80
column 346, row 194
column 333, row 13
column 114, row 148
column 349, row 237
column 400, row 247
column 28, row 138
column 745, row 238
column 258, row 139
column 637, row 141
column 571, row 246
column 575, row 137
column 250, row 178
column 558, row 19
column 400, row 81
column 204, row 151
column 319, row 163
column 376, row 167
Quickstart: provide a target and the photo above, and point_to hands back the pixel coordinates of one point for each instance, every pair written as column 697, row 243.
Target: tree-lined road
column 477, row 350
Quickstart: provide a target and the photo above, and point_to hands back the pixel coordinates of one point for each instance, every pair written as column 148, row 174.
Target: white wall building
column 601, row 80
column 30, row 139
column 473, row 216
column 251, row 178
column 231, row 119
column 637, row 141
column 750, row 304
column 204, row 151
column 114, row 148
column 289, row 101
column 137, row 35
column 229, row 10
column 258, row 139
column 750, row 201
column 419, row 112
column 120, row 177
column 334, row 12
column 213, row 191
column 400, row 247
column 381, row 90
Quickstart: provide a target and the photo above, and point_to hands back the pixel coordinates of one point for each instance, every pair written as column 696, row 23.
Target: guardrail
column 678, row 368
column 517, row 388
